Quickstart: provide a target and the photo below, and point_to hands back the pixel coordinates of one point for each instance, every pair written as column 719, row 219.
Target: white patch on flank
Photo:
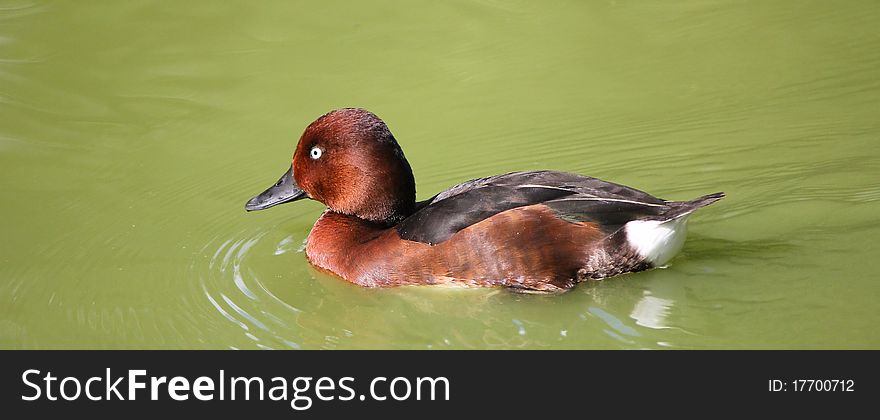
column 657, row 241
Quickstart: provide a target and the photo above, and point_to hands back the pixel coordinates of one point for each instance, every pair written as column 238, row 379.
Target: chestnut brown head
column 350, row 161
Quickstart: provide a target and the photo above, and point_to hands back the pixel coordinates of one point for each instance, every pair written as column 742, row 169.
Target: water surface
column 131, row 134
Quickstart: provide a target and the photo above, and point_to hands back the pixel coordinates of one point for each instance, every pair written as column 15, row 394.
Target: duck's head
column 350, row 161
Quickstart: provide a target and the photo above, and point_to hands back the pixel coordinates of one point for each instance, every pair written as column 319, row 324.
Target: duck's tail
column 683, row 208
column 658, row 239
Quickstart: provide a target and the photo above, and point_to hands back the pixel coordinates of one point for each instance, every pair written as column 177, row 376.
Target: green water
column 132, row 133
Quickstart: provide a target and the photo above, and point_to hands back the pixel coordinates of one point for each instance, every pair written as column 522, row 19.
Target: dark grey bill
column 284, row 191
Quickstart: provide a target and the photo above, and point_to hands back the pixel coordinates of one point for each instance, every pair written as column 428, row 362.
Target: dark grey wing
column 576, row 184
column 437, row 220
column 609, row 214
column 574, row 197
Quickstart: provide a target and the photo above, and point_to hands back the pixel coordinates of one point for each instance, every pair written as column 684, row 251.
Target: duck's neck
column 386, row 209
column 337, row 240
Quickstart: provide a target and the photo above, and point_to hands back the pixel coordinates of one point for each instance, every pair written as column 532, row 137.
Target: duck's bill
column 284, row 191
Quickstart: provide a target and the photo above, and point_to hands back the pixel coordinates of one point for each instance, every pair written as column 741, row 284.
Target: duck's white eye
column 315, row 153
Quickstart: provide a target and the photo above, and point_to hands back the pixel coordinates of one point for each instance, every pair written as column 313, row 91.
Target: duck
column 530, row 231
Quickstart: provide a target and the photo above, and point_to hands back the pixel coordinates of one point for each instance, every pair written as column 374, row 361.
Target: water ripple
column 237, row 293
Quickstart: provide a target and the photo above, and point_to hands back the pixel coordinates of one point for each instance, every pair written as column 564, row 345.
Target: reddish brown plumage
column 526, row 248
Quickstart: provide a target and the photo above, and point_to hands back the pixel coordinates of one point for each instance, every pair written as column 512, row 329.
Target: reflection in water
column 651, row 311
column 616, row 324
column 520, row 328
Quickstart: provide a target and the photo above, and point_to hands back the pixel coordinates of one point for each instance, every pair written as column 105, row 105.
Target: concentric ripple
column 234, row 288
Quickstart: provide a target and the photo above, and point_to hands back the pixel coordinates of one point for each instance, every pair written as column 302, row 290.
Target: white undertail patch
column 655, row 240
